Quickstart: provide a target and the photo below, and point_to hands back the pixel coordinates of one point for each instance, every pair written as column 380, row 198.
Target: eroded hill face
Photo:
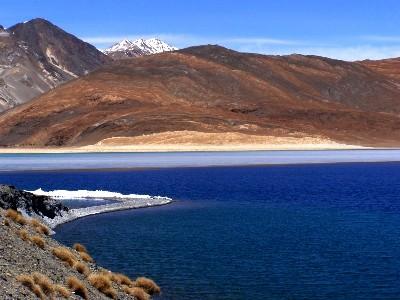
column 213, row 89
column 386, row 67
column 37, row 56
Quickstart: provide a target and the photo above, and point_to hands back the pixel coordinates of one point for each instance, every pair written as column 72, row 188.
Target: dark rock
column 10, row 197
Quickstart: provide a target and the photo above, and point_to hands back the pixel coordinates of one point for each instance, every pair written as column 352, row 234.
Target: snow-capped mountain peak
column 127, row 48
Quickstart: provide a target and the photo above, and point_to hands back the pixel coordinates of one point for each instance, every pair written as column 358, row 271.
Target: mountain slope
column 128, row 49
column 213, row 89
column 388, row 67
column 36, row 56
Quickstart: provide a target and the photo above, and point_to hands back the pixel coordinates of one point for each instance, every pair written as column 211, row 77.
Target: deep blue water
column 276, row 232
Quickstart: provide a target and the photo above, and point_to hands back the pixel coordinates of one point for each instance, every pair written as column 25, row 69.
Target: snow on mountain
column 139, row 47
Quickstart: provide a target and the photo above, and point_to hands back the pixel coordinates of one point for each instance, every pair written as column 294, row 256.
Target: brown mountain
column 389, row 67
column 36, row 56
column 213, row 89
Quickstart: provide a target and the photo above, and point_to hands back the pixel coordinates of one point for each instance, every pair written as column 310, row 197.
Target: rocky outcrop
column 43, row 206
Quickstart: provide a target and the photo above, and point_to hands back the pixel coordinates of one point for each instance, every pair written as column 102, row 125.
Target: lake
column 309, row 231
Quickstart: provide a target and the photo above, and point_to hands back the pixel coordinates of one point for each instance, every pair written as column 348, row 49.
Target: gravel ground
column 23, row 257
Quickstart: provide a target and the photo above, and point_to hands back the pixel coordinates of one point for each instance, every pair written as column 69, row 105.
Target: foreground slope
column 35, row 266
column 37, row 56
column 213, row 89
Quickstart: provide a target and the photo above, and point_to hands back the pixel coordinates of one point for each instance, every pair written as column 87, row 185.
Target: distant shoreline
column 186, row 148
column 194, row 141
column 125, row 161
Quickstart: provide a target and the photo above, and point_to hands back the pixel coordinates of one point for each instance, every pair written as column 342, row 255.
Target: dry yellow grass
column 39, row 227
column 44, row 282
column 77, row 286
column 65, row 255
column 82, row 268
column 29, row 282
column 62, row 291
column 11, row 214
column 103, row 283
column 80, row 248
column 148, row 285
column 38, row 292
column 86, row 257
column 38, row 241
column 26, row 280
column 16, row 216
column 137, row 292
column 121, row 279
column 23, row 234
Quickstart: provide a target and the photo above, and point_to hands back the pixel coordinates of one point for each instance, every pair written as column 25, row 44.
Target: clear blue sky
column 352, row 29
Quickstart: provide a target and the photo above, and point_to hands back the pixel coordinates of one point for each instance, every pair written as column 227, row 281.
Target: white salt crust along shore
column 125, row 202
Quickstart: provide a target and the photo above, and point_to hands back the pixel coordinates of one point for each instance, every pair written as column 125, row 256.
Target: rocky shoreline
column 33, row 265
column 78, row 213
column 29, row 203
column 51, row 210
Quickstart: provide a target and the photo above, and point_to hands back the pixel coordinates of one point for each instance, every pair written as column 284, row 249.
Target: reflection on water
column 24, row 162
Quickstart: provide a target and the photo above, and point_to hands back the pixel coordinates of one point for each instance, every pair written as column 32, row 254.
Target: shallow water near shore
column 86, row 161
column 273, row 232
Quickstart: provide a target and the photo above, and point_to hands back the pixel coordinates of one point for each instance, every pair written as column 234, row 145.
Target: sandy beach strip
column 188, row 141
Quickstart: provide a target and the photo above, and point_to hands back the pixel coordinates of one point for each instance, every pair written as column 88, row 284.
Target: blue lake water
column 328, row 231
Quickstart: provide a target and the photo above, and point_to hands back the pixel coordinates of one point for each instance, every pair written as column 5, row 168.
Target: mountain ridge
column 213, row 89
column 36, row 56
column 139, row 47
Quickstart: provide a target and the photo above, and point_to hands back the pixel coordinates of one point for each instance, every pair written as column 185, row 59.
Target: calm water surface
column 24, row 162
column 277, row 232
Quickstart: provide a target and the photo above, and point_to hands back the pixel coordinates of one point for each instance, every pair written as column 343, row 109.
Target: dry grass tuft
column 23, row 234
column 76, row 286
column 38, row 241
column 29, row 282
column 80, row 248
column 137, row 292
column 26, row 280
column 16, row 216
column 34, row 222
column 65, row 255
column 11, row 214
column 86, row 257
column 148, row 285
column 103, row 283
column 44, row 282
column 81, row 268
column 38, row 292
column 39, row 227
column 121, row 279
column 62, row 291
